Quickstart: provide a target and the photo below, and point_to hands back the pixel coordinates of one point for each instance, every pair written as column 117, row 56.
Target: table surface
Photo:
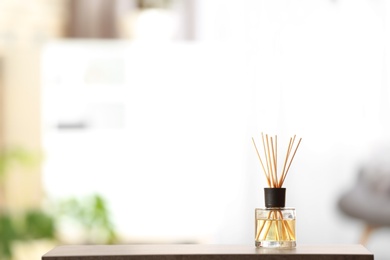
column 195, row 252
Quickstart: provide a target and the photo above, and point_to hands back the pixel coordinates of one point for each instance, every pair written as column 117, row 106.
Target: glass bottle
column 275, row 224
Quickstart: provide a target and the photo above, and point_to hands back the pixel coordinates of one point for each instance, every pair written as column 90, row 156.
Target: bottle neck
column 274, row 197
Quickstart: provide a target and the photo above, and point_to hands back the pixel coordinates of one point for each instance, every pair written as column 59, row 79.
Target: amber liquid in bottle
column 275, row 226
column 275, row 232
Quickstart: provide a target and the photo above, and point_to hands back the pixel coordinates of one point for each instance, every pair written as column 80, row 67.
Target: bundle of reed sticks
column 269, row 162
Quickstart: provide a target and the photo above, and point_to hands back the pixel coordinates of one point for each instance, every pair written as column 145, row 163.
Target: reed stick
column 285, row 161
column 267, row 173
column 270, row 167
column 274, row 162
column 292, row 158
column 261, row 162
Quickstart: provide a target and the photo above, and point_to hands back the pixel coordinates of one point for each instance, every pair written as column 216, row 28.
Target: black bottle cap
column 274, row 197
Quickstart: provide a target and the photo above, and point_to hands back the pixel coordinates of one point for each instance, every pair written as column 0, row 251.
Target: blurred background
column 130, row 121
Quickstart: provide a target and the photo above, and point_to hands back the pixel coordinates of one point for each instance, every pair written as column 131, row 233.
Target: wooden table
column 206, row 252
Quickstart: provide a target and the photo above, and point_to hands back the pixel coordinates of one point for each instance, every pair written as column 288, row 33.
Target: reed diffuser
column 275, row 224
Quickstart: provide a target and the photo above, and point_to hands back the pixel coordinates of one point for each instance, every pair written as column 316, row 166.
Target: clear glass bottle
column 275, row 224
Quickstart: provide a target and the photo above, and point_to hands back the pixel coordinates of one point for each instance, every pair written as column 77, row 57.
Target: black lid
column 275, row 197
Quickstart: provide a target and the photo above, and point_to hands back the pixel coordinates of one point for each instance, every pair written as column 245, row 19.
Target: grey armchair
column 369, row 199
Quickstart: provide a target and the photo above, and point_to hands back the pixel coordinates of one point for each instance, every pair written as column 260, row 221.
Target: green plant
column 33, row 224
column 90, row 213
column 92, row 216
column 17, row 156
column 8, row 234
column 38, row 225
column 11, row 224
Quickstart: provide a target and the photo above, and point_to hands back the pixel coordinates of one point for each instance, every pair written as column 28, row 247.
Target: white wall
column 321, row 71
column 179, row 136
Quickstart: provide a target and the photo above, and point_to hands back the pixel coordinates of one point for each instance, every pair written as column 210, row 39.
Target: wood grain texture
column 206, row 252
